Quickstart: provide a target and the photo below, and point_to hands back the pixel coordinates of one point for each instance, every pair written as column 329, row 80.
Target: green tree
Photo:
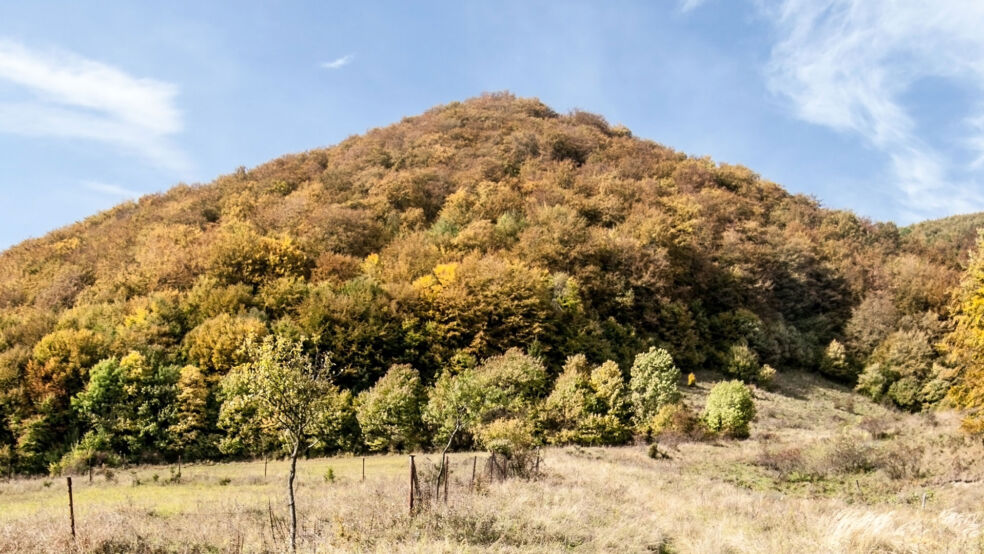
column 131, row 402
column 389, row 412
column 501, row 387
column 729, row 409
column 283, row 392
column 653, row 382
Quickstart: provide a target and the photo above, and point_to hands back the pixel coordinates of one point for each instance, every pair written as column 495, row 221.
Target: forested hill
column 448, row 238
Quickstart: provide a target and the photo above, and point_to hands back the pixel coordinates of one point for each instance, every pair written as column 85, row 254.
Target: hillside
column 439, row 242
column 947, row 240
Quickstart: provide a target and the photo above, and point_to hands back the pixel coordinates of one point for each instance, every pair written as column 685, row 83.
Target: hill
column 439, row 242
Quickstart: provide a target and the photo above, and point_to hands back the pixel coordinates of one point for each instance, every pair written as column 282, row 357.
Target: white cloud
column 848, row 64
column 338, row 63
column 687, row 5
column 113, row 190
column 74, row 97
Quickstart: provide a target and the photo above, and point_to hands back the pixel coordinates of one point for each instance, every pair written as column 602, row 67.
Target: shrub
column 835, row 363
column 729, row 409
column 674, row 423
column 874, row 381
column 742, row 362
column 653, row 382
column 766, row 376
column 847, row 453
column 784, row 461
column 389, row 412
column 507, row 436
column 905, row 392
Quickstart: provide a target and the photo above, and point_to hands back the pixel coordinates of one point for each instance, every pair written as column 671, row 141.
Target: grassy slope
column 721, row 496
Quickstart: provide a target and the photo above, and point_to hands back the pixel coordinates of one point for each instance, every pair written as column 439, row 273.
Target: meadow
column 823, row 470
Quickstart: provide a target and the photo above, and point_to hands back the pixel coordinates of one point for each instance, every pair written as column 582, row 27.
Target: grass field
column 824, row 471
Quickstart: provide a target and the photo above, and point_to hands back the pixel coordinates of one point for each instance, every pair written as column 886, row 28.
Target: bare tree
column 285, row 392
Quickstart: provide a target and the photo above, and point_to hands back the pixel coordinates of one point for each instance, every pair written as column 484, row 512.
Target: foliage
column 389, row 412
column 743, row 362
column 835, row 363
column 500, row 388
column 653, row 382
column 729, row 409
column 588, row 407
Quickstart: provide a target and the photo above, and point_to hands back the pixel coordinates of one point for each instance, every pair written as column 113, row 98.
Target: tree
column 389, row 412
column 965, row 343
column 501, row 387
column 586, row 406
column 286, row 393
column 653, row 381
column 130, row 402
column 729, row 408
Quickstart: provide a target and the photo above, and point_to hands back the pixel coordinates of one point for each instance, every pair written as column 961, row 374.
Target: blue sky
column 871, row 105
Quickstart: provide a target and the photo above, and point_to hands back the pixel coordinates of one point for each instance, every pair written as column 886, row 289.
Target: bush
column 874, row 381
column 674, row 423
column 742, row 362
column 389, row 412
column 847, row 453
column 729, row 409
column 905, row 393
column 835, row 363
column 767, row 376
column 653, row 382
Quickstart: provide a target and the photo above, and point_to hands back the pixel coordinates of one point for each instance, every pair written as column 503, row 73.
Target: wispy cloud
column 848, row 64
column 687, row 5
column 112, row 190
column 339, row 62
column 74, row 97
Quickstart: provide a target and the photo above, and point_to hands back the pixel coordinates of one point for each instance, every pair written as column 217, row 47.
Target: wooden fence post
column 447, row 477
column 90, row 473
column 413, row 482
column 265, row 460
column 179, row 466
column 71, row 507
column 474, row 465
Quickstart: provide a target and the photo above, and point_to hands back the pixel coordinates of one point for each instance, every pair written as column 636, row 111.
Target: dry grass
column 821, row 473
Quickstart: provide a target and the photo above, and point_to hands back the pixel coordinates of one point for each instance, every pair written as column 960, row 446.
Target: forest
column 490, row 273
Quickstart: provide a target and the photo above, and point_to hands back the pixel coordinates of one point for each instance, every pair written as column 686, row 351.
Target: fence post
column 447, row 477
column 90, row 473
column 71, row 507
column 264, row 466
column 474, row 465
column 179, row 466
column 363, row 469
column 413, row 481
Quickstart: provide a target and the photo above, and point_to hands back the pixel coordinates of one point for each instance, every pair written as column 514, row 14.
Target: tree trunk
column 290, row 496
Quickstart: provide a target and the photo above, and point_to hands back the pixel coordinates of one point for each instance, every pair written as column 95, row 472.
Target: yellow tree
column 965, row 343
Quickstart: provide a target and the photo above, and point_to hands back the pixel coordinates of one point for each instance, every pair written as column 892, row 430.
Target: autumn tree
column 965, row 344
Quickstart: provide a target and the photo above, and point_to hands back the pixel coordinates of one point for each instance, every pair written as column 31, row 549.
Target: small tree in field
column 283, row 392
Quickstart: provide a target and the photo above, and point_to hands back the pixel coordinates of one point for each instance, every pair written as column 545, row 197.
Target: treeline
column 437, row 244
